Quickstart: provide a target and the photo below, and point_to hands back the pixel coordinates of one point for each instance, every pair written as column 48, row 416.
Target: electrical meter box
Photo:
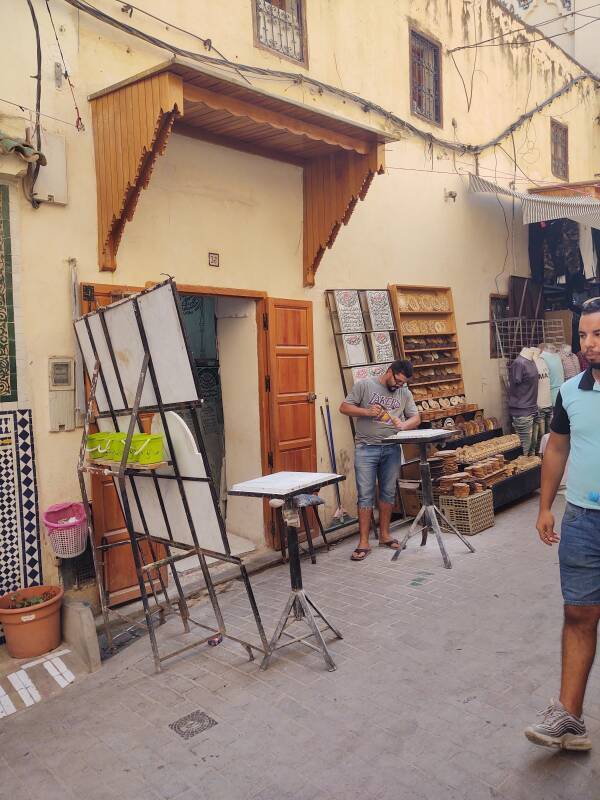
column 61, row 374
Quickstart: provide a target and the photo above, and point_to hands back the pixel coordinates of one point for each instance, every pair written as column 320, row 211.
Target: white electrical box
column 51, row 184
column 61, row 375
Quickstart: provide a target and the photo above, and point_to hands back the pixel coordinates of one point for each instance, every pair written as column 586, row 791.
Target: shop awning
column 133, row 121
column 539, row 207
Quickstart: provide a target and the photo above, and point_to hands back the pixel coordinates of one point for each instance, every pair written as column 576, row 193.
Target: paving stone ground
column 438, row 673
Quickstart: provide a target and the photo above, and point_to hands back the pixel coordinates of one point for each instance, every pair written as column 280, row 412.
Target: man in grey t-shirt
column 380, row 407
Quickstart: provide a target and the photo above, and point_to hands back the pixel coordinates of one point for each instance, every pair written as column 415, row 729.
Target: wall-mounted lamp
column 450, row 195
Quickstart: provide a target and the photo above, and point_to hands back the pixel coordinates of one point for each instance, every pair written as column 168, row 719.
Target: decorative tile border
column 20, row 548
column 8, row 358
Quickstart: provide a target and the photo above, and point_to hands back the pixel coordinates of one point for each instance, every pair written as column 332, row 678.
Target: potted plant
column 31, row 620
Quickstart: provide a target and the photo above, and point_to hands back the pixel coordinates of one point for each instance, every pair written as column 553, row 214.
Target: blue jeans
column 579, row 556
column 379, row 462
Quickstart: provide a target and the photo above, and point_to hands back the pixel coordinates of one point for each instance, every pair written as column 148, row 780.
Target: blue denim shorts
column 379, row 462
column 579, row 556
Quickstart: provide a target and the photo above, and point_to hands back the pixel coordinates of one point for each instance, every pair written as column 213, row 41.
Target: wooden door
column 120, row 579
column 290, row 383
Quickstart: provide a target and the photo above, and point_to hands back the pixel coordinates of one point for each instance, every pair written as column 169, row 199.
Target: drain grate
column 192, row 724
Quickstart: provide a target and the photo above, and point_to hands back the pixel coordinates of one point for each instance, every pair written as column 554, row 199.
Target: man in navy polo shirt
column 575, row 435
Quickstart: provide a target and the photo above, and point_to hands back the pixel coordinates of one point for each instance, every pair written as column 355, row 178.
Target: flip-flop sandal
column 365, row 550
column 390, row 543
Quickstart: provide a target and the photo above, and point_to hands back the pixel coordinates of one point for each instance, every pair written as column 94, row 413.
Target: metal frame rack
column 149, row 574
column 337, row 333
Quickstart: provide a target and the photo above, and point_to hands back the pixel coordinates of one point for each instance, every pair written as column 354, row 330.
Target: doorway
column 200, row 321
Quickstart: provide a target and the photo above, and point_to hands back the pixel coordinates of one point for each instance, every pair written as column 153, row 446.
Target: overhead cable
column 300, row 79
column 527, row 28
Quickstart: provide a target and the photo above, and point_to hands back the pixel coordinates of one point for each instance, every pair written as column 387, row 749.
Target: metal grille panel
column 279, row 27
column 425, row 78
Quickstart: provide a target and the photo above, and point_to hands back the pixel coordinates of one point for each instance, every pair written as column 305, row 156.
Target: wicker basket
column 471, row 514
column 67, row 539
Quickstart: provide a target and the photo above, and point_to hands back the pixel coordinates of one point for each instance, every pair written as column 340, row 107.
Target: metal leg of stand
column 435, row 526
column 430, row 515
column 302, row 608
column 411, row 532
column 445, row 521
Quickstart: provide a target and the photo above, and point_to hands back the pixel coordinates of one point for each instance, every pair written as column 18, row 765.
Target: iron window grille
column 280, row 27
column 425, row 78
column 559, row 136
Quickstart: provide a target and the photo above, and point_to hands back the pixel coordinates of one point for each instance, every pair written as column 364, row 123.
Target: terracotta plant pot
column 33, row 630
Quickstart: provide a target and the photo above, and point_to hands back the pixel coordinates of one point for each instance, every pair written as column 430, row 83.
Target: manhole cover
column 192, row 724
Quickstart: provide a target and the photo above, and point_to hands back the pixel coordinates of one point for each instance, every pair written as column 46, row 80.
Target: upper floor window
column 559, row 148
column 279, row 25
column 425, row 78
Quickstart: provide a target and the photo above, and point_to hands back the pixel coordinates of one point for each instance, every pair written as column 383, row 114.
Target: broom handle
column 332, row 452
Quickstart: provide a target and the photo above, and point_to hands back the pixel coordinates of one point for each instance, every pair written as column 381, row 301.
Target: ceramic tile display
column 378, row 303
column 381, row 345
column 354, row 348
column 20, row 557
column 370, row 371
column 349, row 310
column 8, row 365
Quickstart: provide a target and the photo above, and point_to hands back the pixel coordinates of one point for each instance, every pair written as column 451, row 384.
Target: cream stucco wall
column 203, row 197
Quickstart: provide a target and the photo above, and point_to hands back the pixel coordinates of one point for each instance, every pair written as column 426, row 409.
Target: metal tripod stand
column 429, row 519
column 299, row 607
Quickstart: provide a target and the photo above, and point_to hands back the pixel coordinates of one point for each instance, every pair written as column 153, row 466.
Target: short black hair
column 591, row 306
column 402, row 367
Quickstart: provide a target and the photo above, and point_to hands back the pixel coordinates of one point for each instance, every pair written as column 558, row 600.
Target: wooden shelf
column 439, row 363
column 429, row 349
column 448, row 379
column 442, row 413
column 431, row 333
column 427, row 313
column 439, row 299
column 103, row 466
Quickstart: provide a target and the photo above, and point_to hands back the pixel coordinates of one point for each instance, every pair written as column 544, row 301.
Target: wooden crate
column 469, row 515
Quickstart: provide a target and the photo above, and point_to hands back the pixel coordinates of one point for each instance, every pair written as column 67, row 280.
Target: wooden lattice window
column 279, row 25
column 425, row 78
column 559, row 144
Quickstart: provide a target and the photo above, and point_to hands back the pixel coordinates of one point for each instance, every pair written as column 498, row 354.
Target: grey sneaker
column 559, row 729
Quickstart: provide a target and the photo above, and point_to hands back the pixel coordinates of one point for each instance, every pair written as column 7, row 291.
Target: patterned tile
column 20, row 554
column 8, row 363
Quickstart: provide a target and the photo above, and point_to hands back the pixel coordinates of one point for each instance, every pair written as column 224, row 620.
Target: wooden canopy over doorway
column 132, row 122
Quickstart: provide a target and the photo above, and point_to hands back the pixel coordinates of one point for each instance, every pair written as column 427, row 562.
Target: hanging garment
column 523, row 388
column 586, row 246
column 544, row 394
column 541, row 426
column 570, row 362
column 557, row 372
column 524, row 428
column 536, row 251
column 525, row 298
column 596, row 243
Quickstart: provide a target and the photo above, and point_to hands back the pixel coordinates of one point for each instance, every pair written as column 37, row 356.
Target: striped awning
column 538, row 208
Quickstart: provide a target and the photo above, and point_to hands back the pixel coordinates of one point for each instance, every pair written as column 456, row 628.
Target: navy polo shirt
column 577, row 414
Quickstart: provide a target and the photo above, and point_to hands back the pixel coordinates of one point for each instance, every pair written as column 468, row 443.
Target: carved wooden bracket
column 131, row 128
column 332, row 187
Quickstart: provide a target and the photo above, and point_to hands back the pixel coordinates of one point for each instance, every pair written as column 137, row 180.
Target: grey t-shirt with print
column 370, row 391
